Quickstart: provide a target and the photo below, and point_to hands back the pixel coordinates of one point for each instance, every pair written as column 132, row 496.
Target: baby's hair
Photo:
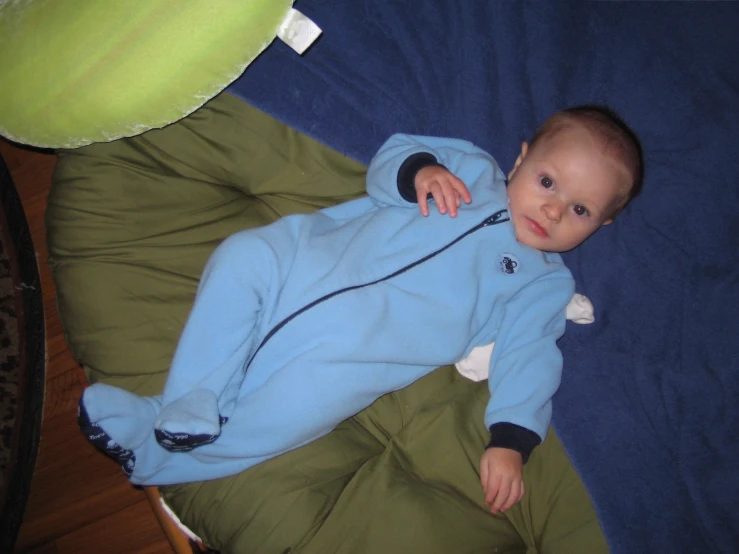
column 616, row 137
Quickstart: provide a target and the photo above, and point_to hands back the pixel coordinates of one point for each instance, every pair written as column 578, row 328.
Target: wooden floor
column 80, row 501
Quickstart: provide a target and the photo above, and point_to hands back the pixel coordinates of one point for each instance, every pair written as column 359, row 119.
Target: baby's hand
column 501, row 476
column 447, row 190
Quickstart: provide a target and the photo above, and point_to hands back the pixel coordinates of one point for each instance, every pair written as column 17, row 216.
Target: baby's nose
column 553, row 211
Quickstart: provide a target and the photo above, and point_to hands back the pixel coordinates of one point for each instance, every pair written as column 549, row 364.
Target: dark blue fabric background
column 648, row 406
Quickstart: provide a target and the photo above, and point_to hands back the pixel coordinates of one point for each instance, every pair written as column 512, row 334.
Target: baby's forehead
column 577, row 137
column 607, row 143
column 564, row 128
column 611, row 141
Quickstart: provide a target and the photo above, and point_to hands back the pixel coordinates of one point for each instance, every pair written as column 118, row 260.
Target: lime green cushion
column 73, row 73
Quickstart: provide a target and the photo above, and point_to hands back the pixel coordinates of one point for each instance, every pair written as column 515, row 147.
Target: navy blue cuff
column 514, row 437
column 407, row 174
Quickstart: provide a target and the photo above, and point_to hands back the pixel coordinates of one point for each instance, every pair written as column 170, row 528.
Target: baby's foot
column 116, row 421
column 102, row 441
column 189, row 422
column 184, row 442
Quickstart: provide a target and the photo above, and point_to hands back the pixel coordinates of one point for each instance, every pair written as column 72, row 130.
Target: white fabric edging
column 477, row 365
column 173, row 516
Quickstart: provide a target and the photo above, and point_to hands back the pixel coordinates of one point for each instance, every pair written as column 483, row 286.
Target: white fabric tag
column 580, row 310
column 477, row 364
column 297, row 31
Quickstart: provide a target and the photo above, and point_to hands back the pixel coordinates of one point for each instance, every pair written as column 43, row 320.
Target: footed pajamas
column 301, row 324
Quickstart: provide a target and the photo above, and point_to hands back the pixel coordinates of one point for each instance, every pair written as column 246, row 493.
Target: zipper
column 498, row 217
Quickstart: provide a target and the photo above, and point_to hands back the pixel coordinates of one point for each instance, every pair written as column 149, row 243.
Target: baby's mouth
column 536, row 228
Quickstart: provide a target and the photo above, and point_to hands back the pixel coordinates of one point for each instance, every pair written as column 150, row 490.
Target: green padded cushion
column 77, row 72
column 131, row 223
column 130, row 226
column 401, row 476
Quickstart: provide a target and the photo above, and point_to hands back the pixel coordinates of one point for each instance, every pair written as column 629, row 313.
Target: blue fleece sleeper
column 303, row 323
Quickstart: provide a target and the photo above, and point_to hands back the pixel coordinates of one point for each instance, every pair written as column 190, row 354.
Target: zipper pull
column 497, row 217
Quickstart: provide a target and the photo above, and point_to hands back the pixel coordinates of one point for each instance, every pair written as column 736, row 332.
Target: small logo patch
column 508, row 263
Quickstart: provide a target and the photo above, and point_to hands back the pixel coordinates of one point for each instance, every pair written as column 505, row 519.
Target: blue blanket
column 648, row 406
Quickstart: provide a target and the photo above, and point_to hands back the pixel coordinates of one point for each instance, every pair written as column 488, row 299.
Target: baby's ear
column 612, row 218
column 521, row 156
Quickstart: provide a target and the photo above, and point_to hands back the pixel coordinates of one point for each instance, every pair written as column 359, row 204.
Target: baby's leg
column 209, row 363
column 301, row 402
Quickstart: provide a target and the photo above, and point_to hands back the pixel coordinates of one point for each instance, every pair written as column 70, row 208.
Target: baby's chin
column 543, row 245
column 525, row 237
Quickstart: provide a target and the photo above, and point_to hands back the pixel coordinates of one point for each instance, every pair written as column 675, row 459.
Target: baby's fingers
column 462, row 191
column 514, row 497
column 484, row 474
column 501, row 499
column 423, row 204
column 451, row 199
column 439, row 194
column 492, row 488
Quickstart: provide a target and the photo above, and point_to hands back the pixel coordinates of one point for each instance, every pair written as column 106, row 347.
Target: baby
column 301, row 324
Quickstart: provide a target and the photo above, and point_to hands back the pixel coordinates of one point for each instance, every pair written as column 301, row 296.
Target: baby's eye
column 546, row 182
column 580, row 209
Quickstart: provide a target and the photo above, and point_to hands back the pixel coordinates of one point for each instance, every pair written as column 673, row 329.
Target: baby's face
column 563, row 189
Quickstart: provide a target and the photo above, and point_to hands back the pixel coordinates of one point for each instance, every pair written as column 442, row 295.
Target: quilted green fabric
column 130, row 226
column 400, row 477
column 131, row 223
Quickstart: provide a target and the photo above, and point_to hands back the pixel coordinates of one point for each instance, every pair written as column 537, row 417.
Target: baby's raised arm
column 411, row 169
